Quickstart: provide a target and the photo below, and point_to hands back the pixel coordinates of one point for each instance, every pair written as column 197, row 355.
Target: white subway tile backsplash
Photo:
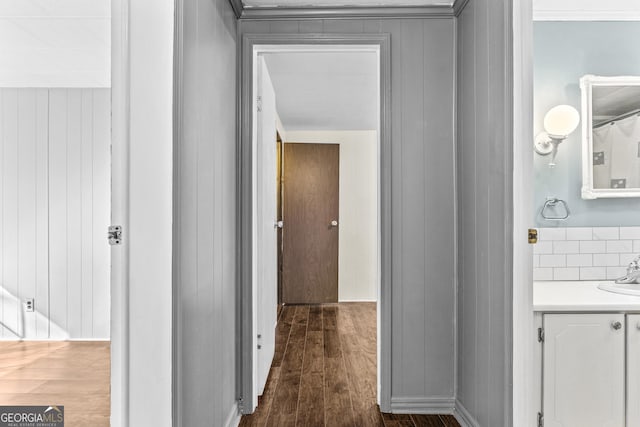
column 543, row 274
column 579, row 260
column 593, row 273
column 553, row 260
column 566, row 247
column 619, row 246
column 572, row 273
column 584, row 253
column 606, row 233
column 630, row 233
column 552, row 233
column 615, row 272
column 602, row 260
column 625, row 259
column 592, row 247
column 543, row 248
column 579, row 233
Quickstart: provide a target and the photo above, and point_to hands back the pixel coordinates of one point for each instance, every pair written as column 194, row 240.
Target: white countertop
column 580, row 296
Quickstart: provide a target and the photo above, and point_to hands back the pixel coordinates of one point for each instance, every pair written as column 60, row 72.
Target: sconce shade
column 561, row 120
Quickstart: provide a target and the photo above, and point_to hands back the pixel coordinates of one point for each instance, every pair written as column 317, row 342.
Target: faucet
column 633, row 273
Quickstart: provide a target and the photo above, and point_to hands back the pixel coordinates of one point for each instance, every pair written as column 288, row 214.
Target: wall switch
column 29, row 305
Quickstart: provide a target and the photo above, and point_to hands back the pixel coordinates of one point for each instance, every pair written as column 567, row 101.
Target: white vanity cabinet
column 583, row 381
column 633, row 370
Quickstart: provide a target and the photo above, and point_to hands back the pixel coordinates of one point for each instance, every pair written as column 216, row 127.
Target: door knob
column 334, row 223
column 278, row 224
column 616, row 325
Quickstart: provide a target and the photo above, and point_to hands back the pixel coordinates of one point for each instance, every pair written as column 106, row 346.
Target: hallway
column 324, row 372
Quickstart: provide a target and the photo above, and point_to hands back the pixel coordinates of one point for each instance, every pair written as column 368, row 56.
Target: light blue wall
column 564, row 52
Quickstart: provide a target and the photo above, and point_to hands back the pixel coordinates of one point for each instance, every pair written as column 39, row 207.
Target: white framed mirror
column 610, row 136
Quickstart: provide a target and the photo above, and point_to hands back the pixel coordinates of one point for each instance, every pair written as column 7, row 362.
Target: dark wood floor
column 324, row 372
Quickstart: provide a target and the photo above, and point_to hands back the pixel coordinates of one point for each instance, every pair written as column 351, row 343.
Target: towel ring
column 552, row 202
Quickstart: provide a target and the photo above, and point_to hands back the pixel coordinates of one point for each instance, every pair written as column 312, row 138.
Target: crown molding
column 458, row 6
column 237, row 7
column 340, row 12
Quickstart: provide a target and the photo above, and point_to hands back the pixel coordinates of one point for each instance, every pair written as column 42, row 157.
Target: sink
column 621, row 288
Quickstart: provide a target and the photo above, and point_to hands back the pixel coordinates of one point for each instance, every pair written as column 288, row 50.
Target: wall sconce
column 559, row 122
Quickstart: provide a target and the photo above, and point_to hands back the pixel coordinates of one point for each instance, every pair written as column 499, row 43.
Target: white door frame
column 251, row 45
column 119, row 212
column 526, row 402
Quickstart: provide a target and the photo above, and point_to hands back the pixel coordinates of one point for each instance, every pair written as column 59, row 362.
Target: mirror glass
column 611, row 136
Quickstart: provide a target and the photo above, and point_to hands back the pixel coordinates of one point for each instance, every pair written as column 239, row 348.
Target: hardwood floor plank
column 427, row 420
column 330, row 327
column 361, row 370
column 315, row 318
column 311, row 402
column 449, row 421
column 283, row 328
column 397, row 420
column 338, row 409
column 285, row 402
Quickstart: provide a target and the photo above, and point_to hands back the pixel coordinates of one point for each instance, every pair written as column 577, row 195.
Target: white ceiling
column 325, row 90
column 55, row 43
column 337, row 3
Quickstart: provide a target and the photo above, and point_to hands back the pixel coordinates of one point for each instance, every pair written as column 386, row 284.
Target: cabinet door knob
column 616, row 325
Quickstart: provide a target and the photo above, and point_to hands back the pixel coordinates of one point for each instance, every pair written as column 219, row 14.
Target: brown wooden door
column 310, row 241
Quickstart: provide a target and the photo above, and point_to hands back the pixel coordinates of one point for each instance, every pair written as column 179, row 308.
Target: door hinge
column 259, row 104
column 540, row 335
column 533, row 236
column 540, row 419
column 240, row 405
column 115, row 235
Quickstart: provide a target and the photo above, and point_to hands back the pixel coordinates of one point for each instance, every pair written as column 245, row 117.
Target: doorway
column 255, row 47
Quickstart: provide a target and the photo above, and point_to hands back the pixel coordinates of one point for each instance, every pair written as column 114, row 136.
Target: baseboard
column 422, row 405
column 463, row 416
column 233, row 419
column 357, row 300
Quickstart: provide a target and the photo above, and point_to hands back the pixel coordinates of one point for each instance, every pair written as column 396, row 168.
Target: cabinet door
column 633, row 370
column 583, row 370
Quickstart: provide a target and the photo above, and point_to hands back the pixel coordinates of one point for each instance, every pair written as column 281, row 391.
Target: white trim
column 587, row 83
column 234, row 416
column 423, row 405
column 586, row 15
column 120, row 114
column 358, row 300
column 464, row 417
column 258, row 51
column 524, row 407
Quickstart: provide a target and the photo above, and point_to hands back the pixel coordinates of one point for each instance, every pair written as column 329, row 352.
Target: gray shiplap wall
column 204, row 235
column 422, row 121
column 484, row 181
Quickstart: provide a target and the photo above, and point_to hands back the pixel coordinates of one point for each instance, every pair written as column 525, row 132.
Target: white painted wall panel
column 55, row 210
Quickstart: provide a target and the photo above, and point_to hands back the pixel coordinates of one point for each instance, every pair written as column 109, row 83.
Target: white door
column 583, row 380
column 633, row 370
column 266, row 274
